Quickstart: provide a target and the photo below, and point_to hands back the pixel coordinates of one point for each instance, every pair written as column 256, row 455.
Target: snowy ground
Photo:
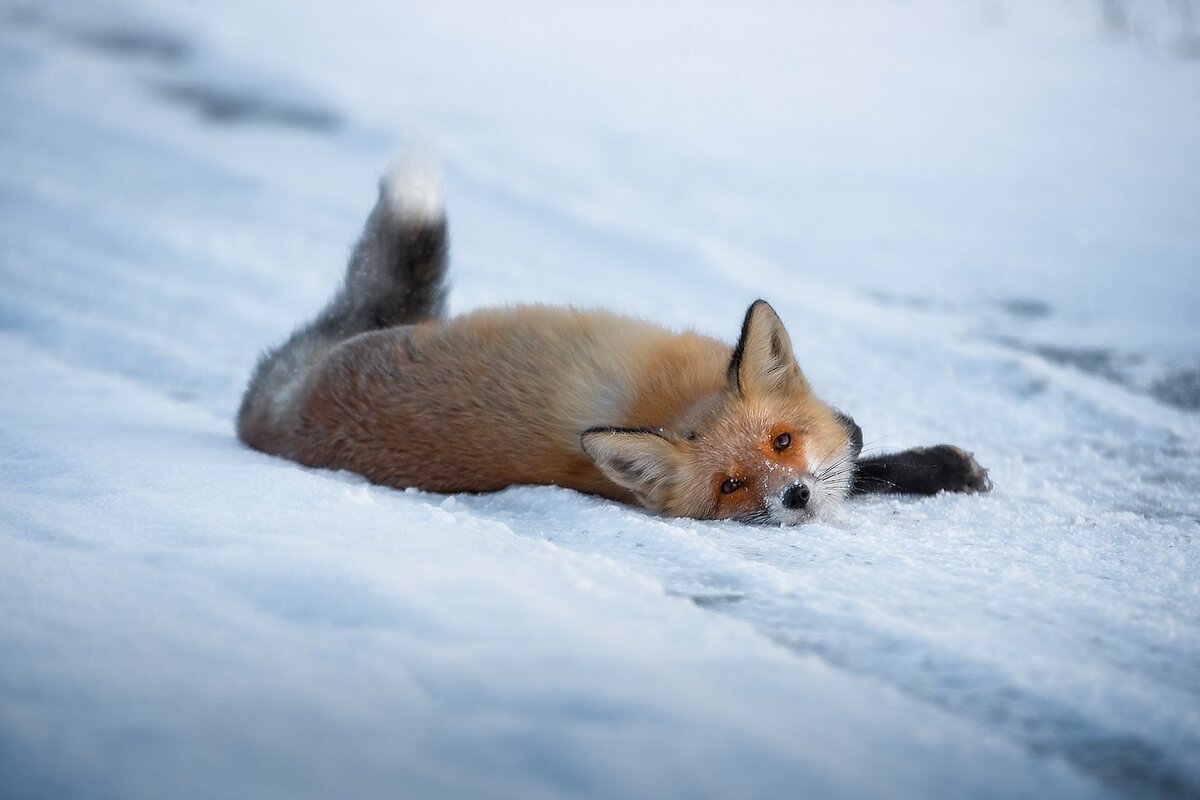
column 979, row 221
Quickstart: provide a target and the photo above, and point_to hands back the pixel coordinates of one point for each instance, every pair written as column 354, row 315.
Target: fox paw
column 958, row 471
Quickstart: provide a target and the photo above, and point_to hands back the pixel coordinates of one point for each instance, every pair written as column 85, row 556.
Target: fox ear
column 763, row 361
column 643, row 461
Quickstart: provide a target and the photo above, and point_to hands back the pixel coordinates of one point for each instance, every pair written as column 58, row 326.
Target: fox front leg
column 922, row 470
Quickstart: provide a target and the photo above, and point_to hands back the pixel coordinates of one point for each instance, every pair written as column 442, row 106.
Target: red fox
column 383, row 384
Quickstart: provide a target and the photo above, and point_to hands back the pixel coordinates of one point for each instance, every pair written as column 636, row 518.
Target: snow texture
column 978, row 220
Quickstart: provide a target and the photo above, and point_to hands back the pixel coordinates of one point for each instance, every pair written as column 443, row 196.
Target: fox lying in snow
column 383, row 384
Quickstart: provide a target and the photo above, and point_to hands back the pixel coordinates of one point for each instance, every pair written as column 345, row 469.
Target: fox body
column 382, row 384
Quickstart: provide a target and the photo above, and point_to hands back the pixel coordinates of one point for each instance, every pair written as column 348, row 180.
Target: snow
column 977, row 220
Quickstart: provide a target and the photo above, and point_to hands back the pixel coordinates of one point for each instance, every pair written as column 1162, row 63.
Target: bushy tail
column 396, row 273
column 396, row 276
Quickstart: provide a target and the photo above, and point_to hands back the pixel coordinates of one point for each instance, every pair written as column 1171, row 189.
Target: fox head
column 763, row 449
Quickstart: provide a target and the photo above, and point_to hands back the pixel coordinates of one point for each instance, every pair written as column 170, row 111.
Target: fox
column 383, row 383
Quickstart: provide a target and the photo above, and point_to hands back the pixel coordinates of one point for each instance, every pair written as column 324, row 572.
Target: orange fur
column 589, row 400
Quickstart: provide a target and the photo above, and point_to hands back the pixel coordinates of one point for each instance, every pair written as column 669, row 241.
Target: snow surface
column 979, row 221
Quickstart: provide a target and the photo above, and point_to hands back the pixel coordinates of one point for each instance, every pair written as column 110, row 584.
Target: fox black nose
column 796, row 496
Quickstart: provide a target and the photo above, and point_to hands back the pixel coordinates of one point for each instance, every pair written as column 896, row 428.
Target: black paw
column 955, row 470
column 922, row 470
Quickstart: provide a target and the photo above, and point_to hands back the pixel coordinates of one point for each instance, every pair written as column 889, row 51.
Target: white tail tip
column 413, row 188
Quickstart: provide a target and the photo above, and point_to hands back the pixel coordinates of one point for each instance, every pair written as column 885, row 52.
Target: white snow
column 978, row 221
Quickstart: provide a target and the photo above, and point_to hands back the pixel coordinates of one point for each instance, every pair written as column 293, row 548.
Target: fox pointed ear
column 763, row 361
column 642, row 460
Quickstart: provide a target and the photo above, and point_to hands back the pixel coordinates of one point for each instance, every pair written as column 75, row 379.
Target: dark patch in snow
column 1022, row 308
column 1175, row 386
column 715, row 600
column 135, row 44
column 1180, row 389
column 1030, row 388
column 1098, row 361
column 228, row 106
column 1025, row 308
column 1130, row 764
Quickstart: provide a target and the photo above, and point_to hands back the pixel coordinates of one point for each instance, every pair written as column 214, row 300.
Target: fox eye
column 781, row 443
column 730, row 485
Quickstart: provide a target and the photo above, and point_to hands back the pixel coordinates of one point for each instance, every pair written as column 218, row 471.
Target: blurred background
column 1026, row 172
